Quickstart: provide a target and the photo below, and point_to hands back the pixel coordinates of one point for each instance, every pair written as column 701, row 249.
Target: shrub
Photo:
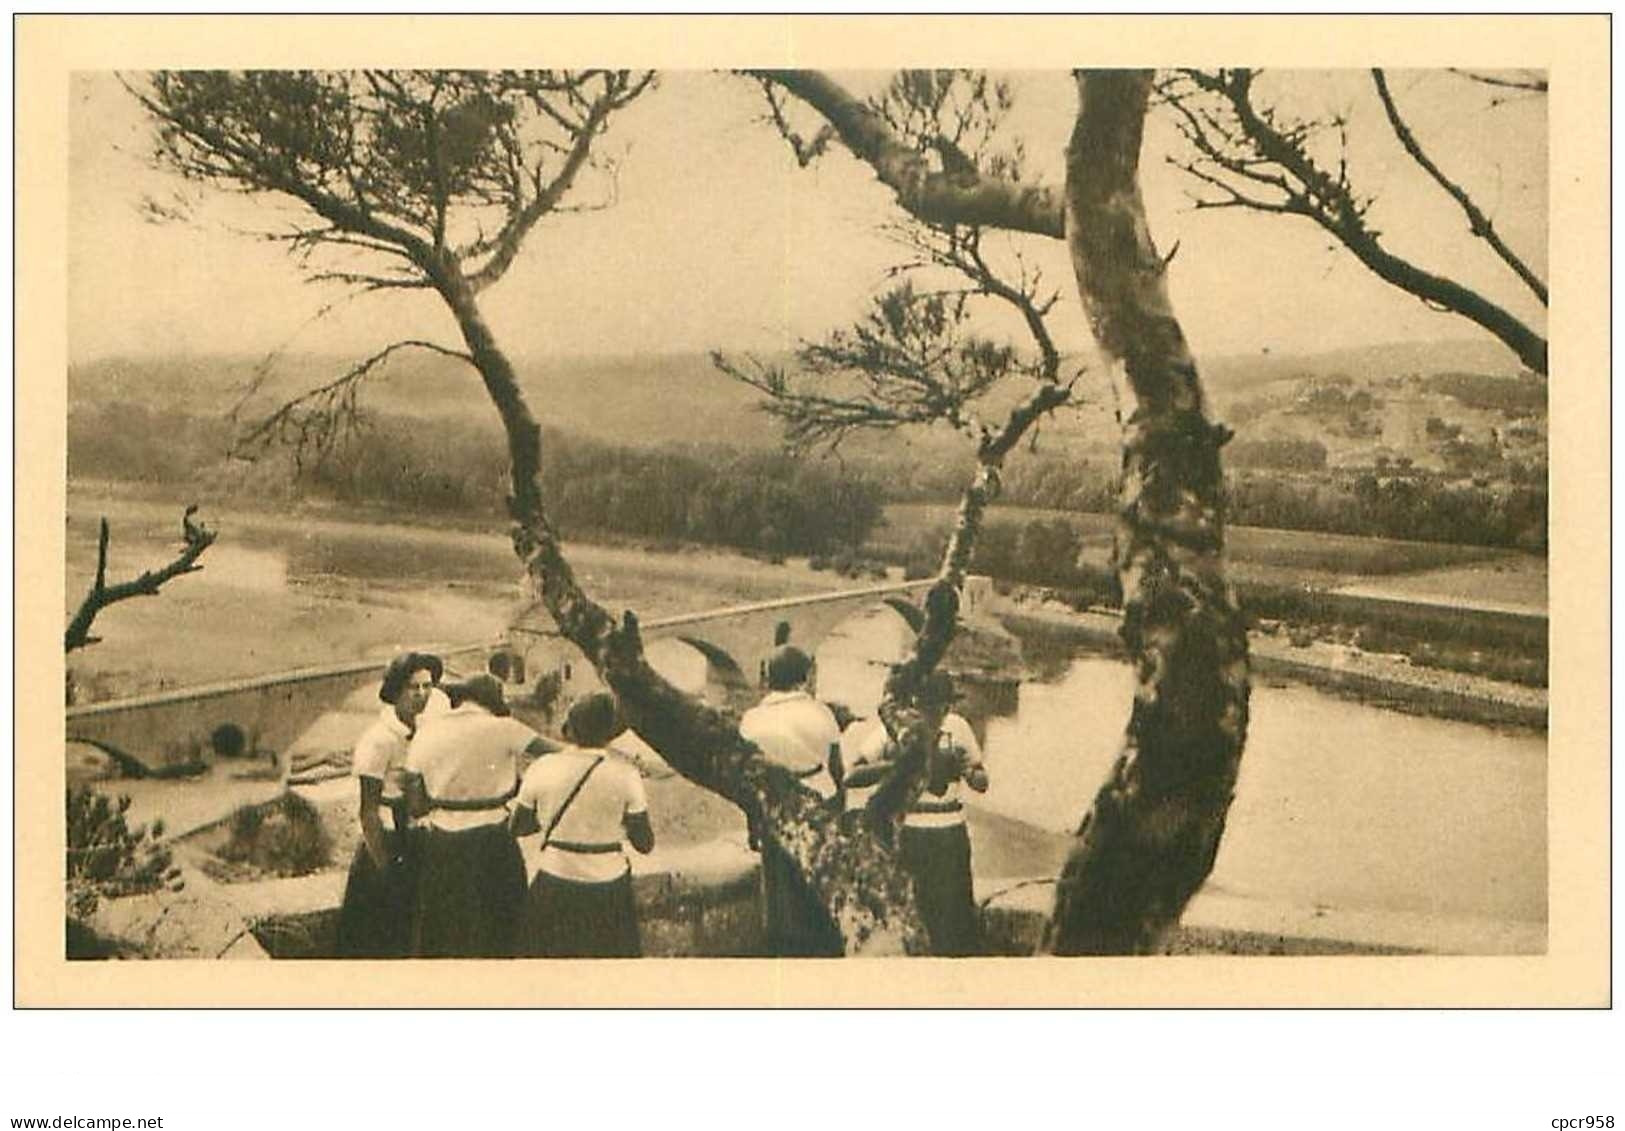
column 284, row 837
column 1284, row 454
column 107, row 858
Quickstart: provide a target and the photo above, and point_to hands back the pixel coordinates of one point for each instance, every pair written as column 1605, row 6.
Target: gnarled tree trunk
column 1150, row 839
column 1152, row 834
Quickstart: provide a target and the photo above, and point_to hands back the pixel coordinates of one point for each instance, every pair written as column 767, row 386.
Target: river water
column 1339, row 803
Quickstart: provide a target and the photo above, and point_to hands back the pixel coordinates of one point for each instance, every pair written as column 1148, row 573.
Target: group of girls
column 450, row 783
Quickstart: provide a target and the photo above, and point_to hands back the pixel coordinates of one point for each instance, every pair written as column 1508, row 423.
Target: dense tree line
column 752, row 500
column 1282, row 454
column 764, row 501
column 1512, row 397
column 1410, row 508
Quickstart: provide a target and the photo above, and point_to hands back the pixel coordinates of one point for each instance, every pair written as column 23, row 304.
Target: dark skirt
column 576, row 919
column 939, row 861
column 797, row 924
column 375, row 919
column 471, row 893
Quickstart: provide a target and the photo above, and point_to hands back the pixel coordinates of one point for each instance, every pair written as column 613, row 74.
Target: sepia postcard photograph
column 660, row 511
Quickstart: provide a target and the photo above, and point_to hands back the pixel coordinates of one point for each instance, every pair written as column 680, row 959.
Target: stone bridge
column 711, row 653
column 721, row 654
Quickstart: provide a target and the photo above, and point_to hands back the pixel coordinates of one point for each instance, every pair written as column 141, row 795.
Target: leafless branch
column 1478, row 223
column 196, row 538
column 618, row 88
column 806, row 151
column 1238, row 146
column 1532, row 81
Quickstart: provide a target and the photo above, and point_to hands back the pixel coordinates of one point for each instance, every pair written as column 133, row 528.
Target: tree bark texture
column 933, row 197
column 914, row 725
column 855, row 875
column 1150, row 838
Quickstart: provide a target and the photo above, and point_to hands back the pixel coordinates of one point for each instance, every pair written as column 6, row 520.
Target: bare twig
column 1531, row 81
column 318, row 418
column 618, row 88
column 805, row 150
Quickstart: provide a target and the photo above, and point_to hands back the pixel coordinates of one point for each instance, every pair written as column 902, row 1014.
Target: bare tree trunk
column 913, row 724
column 867, row 895
column 1150, row 839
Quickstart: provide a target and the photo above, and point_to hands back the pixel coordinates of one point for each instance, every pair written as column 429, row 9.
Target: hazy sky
column 717, row 238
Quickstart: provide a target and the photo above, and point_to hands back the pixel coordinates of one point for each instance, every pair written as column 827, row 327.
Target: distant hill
column 1238, row 375
column 681, row 398
column 636, row 400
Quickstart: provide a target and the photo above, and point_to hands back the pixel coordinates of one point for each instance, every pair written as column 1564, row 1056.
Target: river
column 1338, row 804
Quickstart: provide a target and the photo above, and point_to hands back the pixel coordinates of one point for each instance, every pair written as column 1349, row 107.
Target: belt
column 923, row 806
column 473, row 804
column 585, row 848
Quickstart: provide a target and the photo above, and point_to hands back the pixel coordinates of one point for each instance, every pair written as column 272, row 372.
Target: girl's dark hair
column 400, row 670
column 593, row 720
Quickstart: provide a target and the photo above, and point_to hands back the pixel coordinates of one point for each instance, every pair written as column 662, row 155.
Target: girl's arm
column 639, row 831
column 522, row 821
column 372, row 825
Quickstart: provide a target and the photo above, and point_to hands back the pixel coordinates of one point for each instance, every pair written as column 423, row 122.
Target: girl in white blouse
column 375, row 918
column 462, row 773
column 934, row 845
column 585, row 801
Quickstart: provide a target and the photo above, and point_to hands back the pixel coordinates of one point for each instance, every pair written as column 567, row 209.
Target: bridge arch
column 854, row 659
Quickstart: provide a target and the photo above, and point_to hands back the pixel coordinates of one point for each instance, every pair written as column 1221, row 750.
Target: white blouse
column 579, row 847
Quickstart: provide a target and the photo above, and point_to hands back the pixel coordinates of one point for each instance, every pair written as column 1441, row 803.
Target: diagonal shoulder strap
column 558, row 814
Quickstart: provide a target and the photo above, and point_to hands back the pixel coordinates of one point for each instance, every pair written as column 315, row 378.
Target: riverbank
column 1372, row 678
column 1434, row 639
